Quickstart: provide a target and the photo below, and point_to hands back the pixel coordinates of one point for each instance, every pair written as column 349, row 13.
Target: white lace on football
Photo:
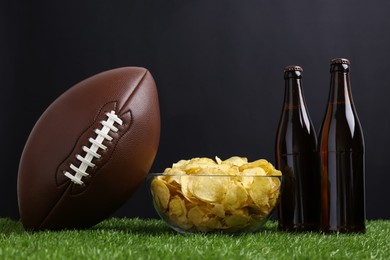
column 92, row 151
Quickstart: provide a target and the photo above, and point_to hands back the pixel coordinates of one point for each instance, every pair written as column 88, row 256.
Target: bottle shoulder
column 341, row 134
column 342, row 118
column 296, row 122
column 294, row 138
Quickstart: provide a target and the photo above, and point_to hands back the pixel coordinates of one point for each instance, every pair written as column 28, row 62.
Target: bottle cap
column 340, row 61
column 339, row 64
column 293, row 71
column 293, row 68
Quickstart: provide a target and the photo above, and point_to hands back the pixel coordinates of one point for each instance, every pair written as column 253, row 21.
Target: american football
column 89, row 151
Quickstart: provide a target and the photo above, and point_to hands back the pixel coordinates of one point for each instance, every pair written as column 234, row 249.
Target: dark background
column 218, row 66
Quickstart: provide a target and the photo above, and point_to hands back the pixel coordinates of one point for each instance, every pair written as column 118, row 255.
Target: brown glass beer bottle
column 342, row 157
column 297, row 158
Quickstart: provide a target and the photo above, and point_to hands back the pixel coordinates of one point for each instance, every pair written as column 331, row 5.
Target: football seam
column 135, row 90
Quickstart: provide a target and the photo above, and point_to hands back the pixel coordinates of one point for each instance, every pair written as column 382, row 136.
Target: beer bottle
column 297, row 158
column 342, row 157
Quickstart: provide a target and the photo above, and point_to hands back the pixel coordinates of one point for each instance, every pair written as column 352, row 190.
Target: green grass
column 151, row 239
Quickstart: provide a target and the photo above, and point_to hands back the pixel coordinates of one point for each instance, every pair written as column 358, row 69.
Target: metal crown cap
column 340, row 61
column 293, row 68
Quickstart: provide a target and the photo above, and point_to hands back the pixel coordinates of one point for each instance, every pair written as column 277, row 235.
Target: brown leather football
column 89, row 151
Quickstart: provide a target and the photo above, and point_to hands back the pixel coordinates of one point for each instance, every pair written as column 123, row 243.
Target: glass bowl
column 201, row 203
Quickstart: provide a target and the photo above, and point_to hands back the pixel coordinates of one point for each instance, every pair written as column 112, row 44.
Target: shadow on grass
column 157, row 227
column 9, row 227
column 135, row 226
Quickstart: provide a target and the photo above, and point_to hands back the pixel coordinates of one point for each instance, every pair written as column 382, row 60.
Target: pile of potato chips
column 206, row 195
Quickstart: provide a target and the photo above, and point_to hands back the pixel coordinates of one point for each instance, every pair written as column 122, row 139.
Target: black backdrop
column 218, row 67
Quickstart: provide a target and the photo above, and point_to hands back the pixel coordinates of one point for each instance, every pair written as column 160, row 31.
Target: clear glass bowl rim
column 212, row 175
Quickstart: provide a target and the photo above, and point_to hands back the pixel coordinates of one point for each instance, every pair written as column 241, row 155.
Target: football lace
column 92, row 151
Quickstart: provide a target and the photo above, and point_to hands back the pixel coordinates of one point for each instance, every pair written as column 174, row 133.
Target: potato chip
column 177, row 207
column 176, row 171
column 178, row 213
column 185, row 189
column 260, row 191
column 218, row 210
column 236, row 196
column 236, row 161
column 274, row 195
column 212, row 170
column 208, row 188
column 258, row 163
column 275, row 172
column 202, row 160
column 196, row 164
column 203, row 219
column 174, row 188
column 161, row 193
column 224, row 169
column 218, row 160
column 214, row 224
column 254, row 171
column 239, row 218
column 179, row 164
column 197, row 216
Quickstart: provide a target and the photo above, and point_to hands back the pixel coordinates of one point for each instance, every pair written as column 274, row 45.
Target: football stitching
column 92, row 151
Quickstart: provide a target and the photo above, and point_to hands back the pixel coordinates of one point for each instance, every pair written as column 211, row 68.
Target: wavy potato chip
column 180, row 163
column 177, row 207
column 236, row 196
column 208, row 188
column 254, row 171
column 197, row 216
column 178, row 213
column 196, row 164
column 161, row 193
column 174, row 171
column 260, row 191
column 236, row 161
column 214, row 224
column 218, row 210
column 239, row 218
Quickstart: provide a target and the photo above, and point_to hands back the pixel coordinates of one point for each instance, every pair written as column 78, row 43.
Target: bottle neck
column 294, row 103
column 340, row 91
column 293, row 93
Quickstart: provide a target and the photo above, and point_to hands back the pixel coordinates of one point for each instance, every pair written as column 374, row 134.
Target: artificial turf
column 152, row 239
